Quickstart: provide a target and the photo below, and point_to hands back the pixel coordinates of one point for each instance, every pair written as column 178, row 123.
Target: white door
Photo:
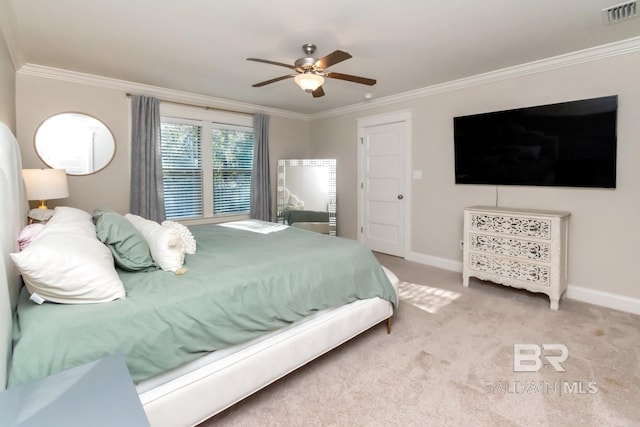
column 382, row 187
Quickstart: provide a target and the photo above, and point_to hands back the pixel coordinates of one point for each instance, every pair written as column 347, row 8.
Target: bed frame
column 189, row 396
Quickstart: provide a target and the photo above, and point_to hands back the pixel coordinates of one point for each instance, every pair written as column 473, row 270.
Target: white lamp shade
column 309, row 81
column 45, row 184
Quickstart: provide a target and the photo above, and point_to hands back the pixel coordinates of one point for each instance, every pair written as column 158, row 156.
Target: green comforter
column 239, row 285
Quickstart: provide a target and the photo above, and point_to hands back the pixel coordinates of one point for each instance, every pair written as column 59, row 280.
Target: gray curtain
column 260, row 176
column 147, row 190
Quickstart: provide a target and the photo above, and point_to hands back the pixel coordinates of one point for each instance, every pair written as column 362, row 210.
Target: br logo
column 529, row 357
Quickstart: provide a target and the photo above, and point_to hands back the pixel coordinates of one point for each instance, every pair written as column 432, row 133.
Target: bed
column 317, row 221
column 205, row 385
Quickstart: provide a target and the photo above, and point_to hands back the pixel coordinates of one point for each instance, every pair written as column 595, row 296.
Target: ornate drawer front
column 533, row 273
column 530, row 250
column 516, row 226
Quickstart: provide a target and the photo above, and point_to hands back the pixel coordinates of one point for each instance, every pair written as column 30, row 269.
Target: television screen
column 570, row 144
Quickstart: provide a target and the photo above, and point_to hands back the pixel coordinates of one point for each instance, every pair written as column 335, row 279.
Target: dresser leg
column 465, row 281
column 555, row 303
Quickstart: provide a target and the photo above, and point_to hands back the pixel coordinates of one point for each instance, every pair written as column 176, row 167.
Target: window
column 206, row 163
column 181, row 169
column 232, row 159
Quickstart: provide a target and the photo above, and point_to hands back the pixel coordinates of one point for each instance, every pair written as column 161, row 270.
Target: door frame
column 405, row 117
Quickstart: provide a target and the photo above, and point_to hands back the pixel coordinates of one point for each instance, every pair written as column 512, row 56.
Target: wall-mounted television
column 569, row 144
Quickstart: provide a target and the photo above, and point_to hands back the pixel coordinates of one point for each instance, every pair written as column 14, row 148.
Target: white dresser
column 521, row 248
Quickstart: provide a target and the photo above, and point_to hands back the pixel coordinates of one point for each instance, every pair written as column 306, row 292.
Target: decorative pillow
column 166, row 245
column 129, row 248
column 29, row 233
column 67, row 264
column 188, row 240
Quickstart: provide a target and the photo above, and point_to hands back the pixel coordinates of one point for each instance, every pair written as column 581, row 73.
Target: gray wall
column 603, row 245
column 7, row 86
column 602, row 248
column 40, row 97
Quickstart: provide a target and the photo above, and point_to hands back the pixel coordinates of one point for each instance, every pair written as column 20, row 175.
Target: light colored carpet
column 453, row 365
column 425, row 297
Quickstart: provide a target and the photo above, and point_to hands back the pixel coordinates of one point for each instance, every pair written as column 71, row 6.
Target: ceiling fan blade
column 332, row 59
column 266, row 61
column 350, row 78
column 277, row 79
column 318, row 92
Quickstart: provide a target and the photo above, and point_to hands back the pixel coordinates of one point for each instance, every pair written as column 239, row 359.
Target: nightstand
column 39, row 215
column 97, row 394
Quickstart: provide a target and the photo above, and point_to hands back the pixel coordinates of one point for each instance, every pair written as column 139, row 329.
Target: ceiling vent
column 620, row 12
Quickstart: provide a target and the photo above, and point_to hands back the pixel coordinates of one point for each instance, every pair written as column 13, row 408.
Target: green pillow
column 98, row 212
column 129, row 248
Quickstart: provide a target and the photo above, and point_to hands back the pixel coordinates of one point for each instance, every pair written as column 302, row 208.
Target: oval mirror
column 75, row 142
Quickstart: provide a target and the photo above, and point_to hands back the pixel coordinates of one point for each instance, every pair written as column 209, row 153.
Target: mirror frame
column 281, row 180
column 113, row 138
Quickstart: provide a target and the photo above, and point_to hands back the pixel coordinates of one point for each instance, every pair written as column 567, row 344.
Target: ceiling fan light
column 309, row 81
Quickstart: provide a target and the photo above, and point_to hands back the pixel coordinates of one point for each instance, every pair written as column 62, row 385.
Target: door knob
column 400, row 197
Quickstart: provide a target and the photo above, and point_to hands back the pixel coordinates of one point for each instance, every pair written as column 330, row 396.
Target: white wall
column 603, row 240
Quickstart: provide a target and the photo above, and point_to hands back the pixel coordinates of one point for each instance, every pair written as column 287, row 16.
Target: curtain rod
column 199, row 106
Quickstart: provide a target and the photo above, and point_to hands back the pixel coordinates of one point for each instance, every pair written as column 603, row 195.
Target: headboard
column 13, row 215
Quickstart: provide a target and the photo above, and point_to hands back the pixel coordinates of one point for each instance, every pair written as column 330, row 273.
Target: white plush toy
column 188, row 240
column 165, row 243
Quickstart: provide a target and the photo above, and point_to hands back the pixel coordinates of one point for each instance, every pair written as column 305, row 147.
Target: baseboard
column 604, row 299
column 434, row 261
column 577, row 293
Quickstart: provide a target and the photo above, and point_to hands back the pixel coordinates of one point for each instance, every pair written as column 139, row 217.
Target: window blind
column 232, row 161
column 182, row 169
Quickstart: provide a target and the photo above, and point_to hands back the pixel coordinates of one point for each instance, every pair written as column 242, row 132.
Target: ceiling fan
column 310, row 72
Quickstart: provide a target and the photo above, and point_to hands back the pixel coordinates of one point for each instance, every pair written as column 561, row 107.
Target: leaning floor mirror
column 307, row 194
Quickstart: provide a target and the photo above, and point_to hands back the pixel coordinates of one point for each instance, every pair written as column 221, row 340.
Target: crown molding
column 592, row 54
column 149, row 90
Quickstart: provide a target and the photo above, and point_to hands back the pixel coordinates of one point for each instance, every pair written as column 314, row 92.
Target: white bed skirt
column 191, row 394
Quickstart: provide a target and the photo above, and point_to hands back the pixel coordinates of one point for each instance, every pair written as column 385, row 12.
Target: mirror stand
column 307, row 194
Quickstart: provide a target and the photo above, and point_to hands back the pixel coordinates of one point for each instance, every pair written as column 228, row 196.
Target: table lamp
column 43, row 185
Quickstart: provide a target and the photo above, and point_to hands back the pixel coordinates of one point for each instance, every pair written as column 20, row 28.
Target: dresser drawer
column 512, row 247
column 539, row 228
column 528, row 272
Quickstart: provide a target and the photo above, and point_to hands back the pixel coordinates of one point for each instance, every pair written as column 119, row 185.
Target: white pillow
column 66, row 263
column 167, row 249
column 188, row 240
